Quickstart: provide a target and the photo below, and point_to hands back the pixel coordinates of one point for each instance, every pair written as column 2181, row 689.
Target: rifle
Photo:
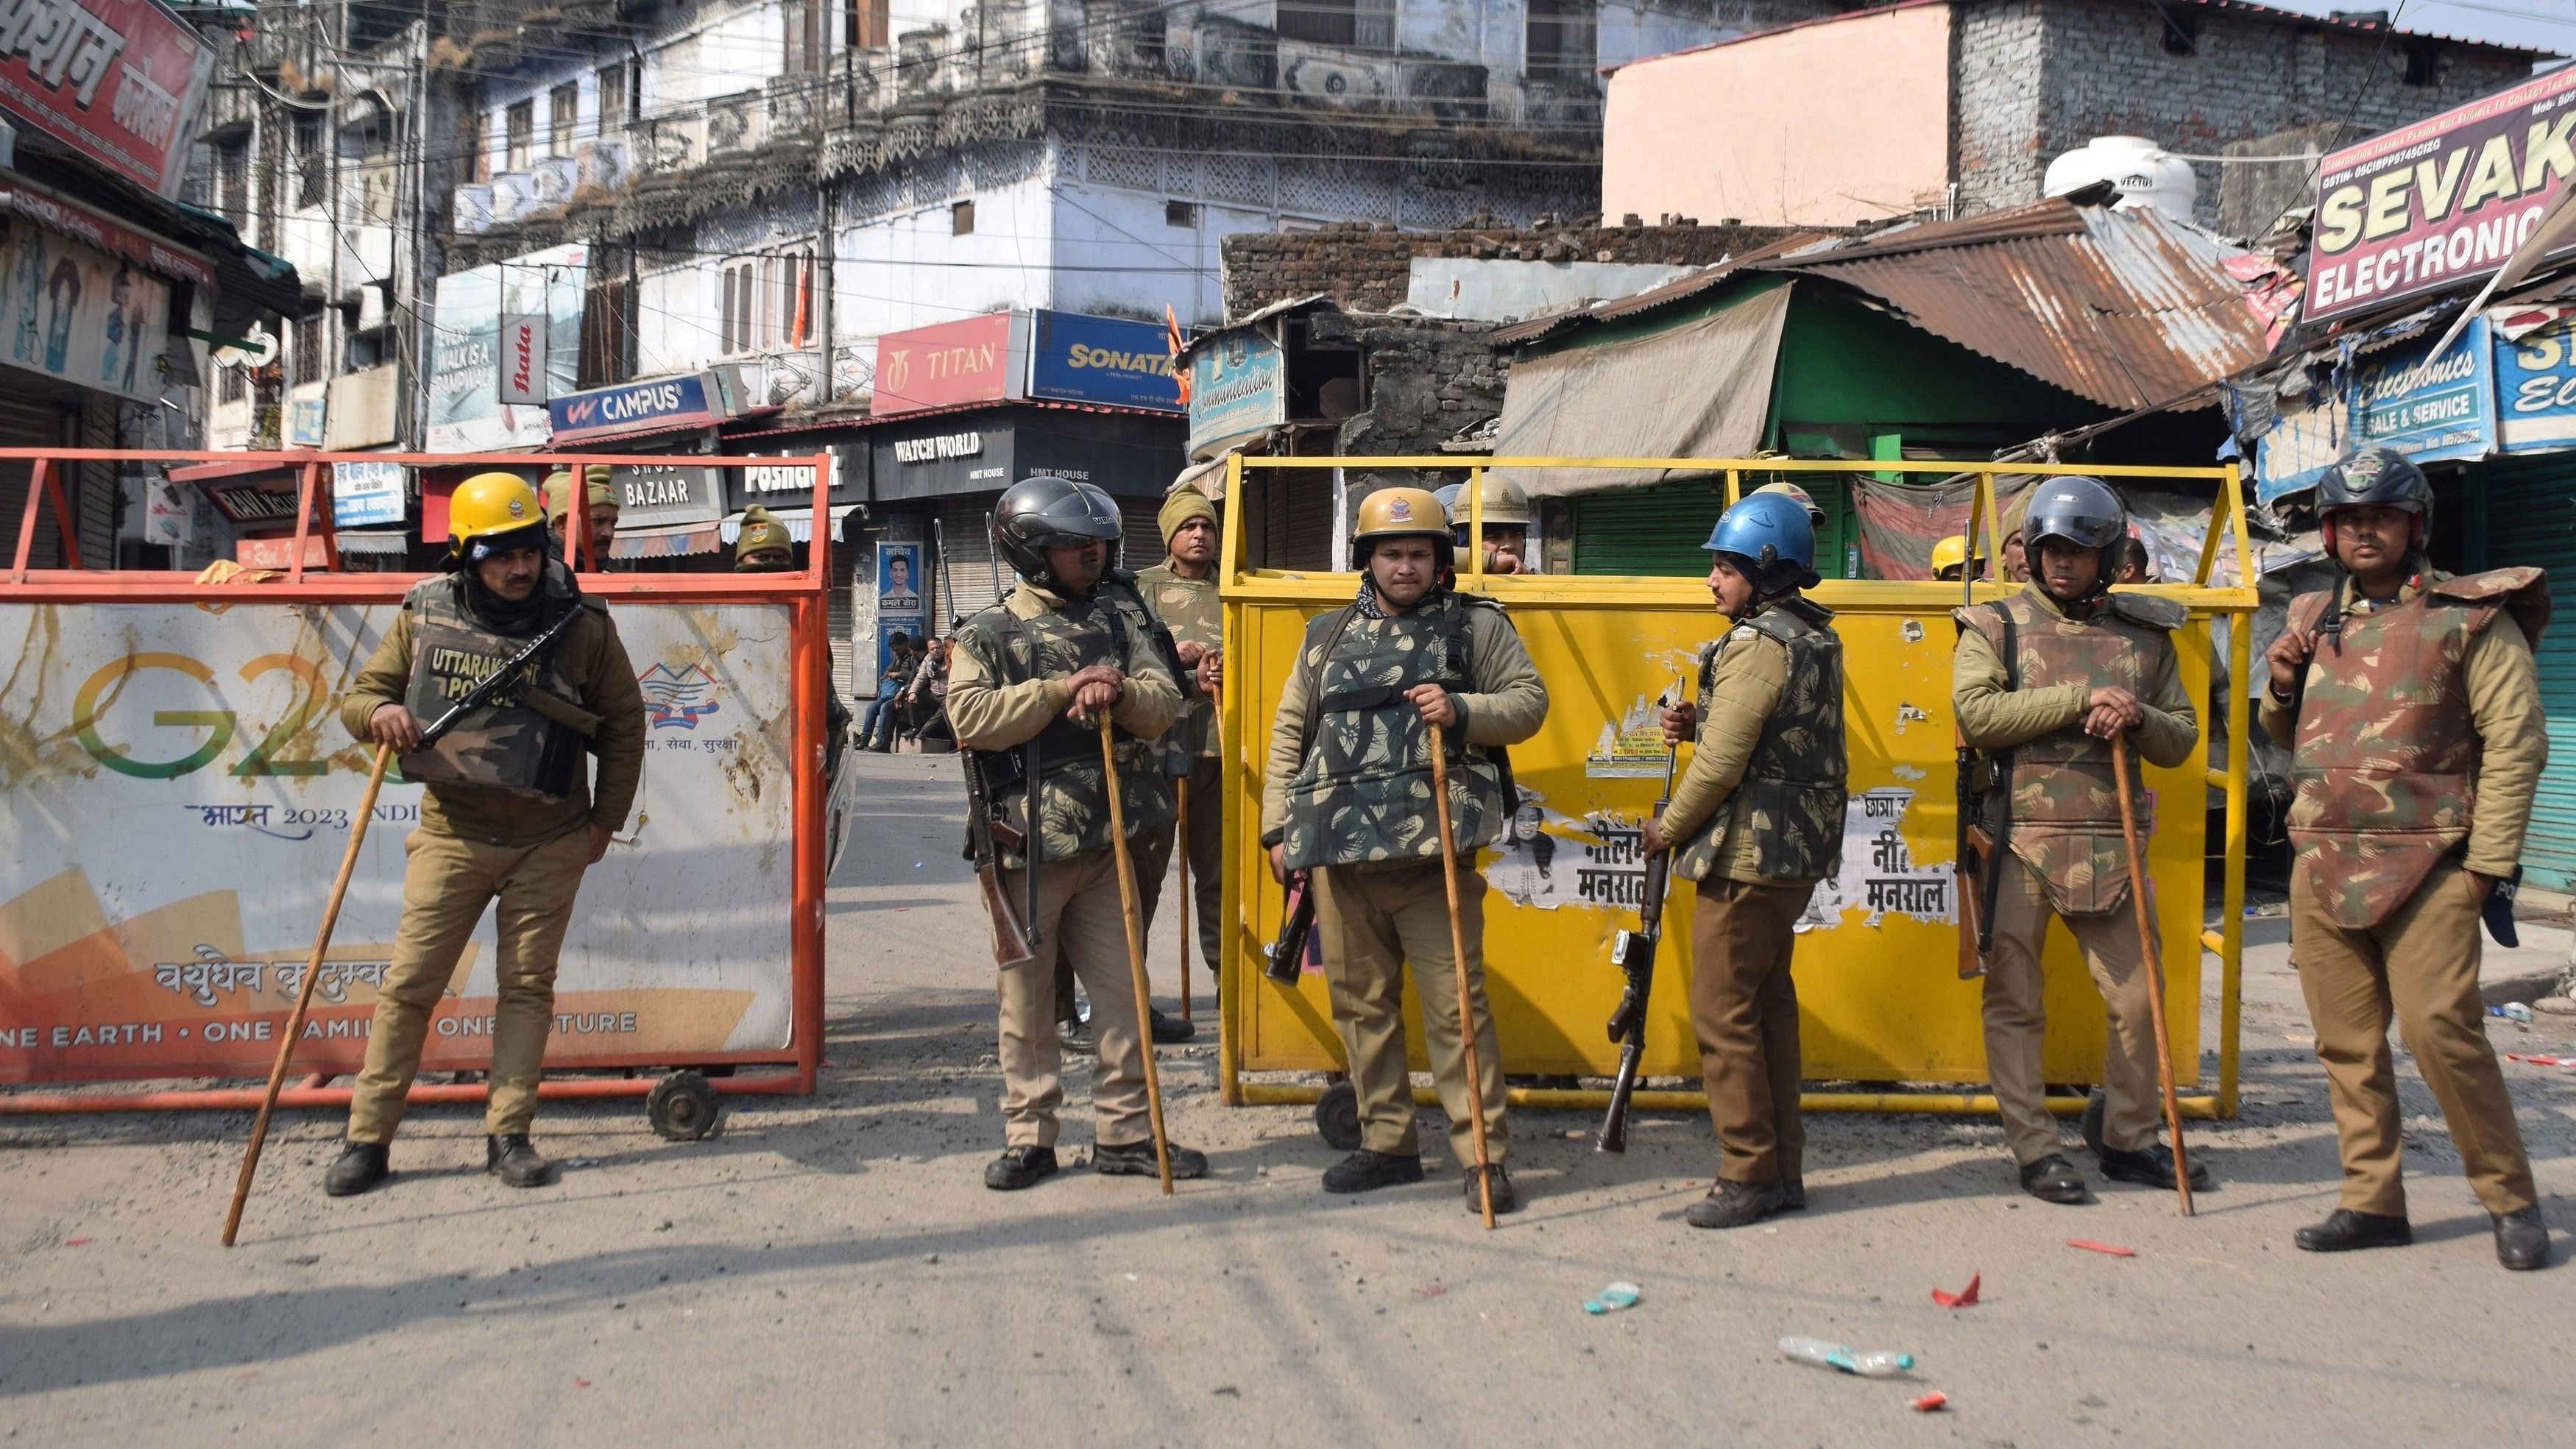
column 492, row 683
column 1014, row 945
column 1633, row 952
column 1979, row 872
column 1287, row 954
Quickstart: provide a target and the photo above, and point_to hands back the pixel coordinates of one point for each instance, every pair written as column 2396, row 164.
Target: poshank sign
column 2443, row 201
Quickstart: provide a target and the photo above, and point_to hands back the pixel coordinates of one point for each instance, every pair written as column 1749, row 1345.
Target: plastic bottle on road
column 1875, row 1364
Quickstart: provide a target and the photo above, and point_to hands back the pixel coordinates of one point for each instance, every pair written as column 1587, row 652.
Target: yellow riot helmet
column 1816, row 515
column 1950, row 556
column 1506, row 506
column 487, row 509
column 764, row 543
column 1403, row 513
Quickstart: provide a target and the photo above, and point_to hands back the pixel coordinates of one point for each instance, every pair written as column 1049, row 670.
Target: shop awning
column 1700, row 390
column 355, row 540
column 668, row 540
column 799, row 521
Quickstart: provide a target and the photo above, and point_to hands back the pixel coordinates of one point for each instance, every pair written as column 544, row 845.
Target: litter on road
column 1613, row 1298
column 2090, row 1246
column 1964, row 1298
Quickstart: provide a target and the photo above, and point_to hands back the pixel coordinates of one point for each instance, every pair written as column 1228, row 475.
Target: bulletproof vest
column 506, row 745
column 2065, row 803
column 1790, row 802
column 2385, row 757
column 1072, row 787
column 1363, row 791
column 1191, row 610
column 1175, row 749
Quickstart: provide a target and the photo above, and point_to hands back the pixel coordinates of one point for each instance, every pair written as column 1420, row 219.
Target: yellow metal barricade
column 1879, row 997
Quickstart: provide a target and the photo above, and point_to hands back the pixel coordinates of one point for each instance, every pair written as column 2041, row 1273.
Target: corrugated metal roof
column 2123, row 307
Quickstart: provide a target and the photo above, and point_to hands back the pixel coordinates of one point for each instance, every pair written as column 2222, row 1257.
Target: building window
column 308, row 347
column 1181, row 213
column 807, row 44
column 767, row 303
column 310, row 160
column 1559, row 41
column 232, row 181
column 232, row 384
column 563, row 106
column 474, row 142
column 2181, row 32
column 865, row 24
column 2423, row 63
column 519, row 127
column 1359, row 24
column 961, row 219
column 613, row 97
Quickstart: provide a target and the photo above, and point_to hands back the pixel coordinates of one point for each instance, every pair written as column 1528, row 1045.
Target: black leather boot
column 2053, row 1179
column 1507, row 1199
column 2344, row 1230
column 1366, row 1171
column 1171, row 1030
column 360, row 1166
column 1136, row 1159
column 513, row 1159
column 2522, row 1239
column 1019, row 1167
column 1737, row 1204
column 2152, row 1166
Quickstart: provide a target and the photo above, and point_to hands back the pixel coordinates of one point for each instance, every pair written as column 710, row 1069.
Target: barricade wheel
column 1337, row 1116
column 682, row 1107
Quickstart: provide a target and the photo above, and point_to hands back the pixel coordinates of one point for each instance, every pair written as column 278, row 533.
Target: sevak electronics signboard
column 1111, row 360
column 119, row 81
column 980, row 359
column 2442, row 202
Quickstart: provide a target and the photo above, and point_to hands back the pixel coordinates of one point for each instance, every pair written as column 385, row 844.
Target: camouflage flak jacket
column 2065, row 805
column 1363, row 794
column 1073, row 786
column 1191, row 610
column 2385, row 759
column 1790, row 801
column 506, row 745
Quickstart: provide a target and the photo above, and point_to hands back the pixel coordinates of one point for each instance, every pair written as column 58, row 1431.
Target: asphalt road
column 832, row 1270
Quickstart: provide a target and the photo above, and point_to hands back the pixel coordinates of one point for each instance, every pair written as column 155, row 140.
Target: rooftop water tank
column 2145, row 173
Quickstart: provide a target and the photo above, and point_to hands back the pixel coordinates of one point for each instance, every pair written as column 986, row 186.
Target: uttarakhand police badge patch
column 1400, row 510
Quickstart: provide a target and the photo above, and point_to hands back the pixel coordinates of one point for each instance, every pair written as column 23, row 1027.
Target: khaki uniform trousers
column 2421, row 966
column 1153, row 857
column 2017, row 1018
column 1374, row 920
column 1744, row 1009
column 1078, row 915
column 447, row 881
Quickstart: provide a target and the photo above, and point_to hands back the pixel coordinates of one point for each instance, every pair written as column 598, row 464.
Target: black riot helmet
column 2377, row 478
column 1043, row 512
column 2083, row 511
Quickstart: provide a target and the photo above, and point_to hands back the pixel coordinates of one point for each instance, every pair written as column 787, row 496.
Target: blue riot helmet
column 1448, row 493
column 1768, row 537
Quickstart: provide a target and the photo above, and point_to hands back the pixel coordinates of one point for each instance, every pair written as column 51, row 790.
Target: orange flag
column 1172, row 339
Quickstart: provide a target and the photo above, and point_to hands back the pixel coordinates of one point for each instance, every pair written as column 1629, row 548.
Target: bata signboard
column 119, row 81
column 2442, row 202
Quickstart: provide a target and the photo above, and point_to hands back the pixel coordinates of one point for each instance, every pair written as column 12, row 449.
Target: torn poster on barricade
column 1878, row 873
column 1549, row 860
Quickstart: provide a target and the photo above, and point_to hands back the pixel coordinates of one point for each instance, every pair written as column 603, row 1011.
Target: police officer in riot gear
column 2041, row 682
column 1757, row 821
column 1507, row 519
column 764, row 546
column 1345, row 796
column 2411, row 704
column 1039, row 667
column 510, row 818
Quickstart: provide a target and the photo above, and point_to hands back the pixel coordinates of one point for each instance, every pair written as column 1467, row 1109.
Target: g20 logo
column 103, row 689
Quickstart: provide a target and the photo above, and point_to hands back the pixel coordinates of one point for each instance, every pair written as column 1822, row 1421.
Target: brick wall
column 2102, row 69
column 1428, row 378
column 1366, row 267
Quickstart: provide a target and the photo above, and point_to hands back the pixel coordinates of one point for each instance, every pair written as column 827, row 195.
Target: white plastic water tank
column 2145, row 173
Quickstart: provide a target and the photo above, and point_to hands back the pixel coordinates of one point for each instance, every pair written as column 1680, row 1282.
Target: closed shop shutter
column 842, row 608
column 966, row 575
column 2530, row 507
column 1143, row 546
column 28, row 422
column 1297, row 504
column 1660, row 530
